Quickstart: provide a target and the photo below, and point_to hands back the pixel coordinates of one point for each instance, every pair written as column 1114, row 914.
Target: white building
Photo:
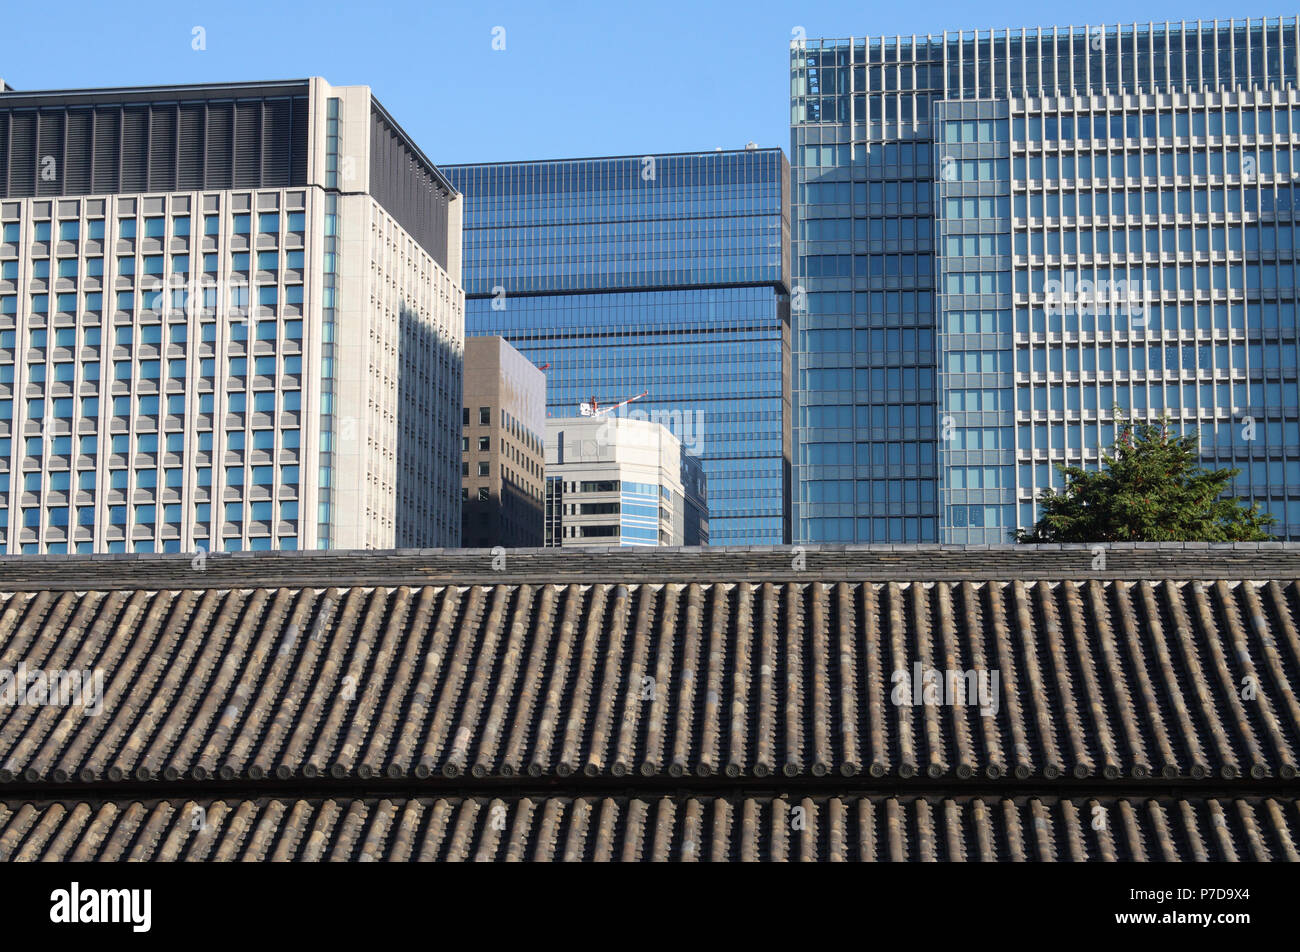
column 618, row 481
column 230, row 318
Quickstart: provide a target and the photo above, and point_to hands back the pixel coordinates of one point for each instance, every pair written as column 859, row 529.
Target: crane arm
column 595, row 409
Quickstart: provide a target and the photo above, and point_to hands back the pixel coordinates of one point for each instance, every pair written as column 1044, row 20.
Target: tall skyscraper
column 666, row 274
column 1001, row 236
column 230, row 318
column 503, row 447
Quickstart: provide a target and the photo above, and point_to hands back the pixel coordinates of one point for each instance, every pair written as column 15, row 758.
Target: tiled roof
column 1142, row 689
column 658, row 828
column 1098, row 679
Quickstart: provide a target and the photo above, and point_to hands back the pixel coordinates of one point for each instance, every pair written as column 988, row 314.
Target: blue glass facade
column 666, row 274
column 1001, row 237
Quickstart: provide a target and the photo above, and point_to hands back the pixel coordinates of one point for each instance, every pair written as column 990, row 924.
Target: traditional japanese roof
column 405, row 692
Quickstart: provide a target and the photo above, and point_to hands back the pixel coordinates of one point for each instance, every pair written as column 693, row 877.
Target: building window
column 484, row 416
column 332, row 144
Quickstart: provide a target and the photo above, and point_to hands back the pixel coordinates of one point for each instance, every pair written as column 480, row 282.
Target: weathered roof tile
column 726, row 677
column 1100, row 679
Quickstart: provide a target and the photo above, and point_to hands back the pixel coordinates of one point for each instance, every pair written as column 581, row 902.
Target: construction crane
column 593, row 408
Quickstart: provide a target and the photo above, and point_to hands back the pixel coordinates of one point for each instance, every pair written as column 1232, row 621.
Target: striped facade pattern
column 657, row 829
column 1077, row 60
column 205, row 139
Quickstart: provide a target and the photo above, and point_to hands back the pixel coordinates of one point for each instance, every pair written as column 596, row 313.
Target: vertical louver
column 22, row 154
column 162, row 149
column 107, row 147
column 49, row 153
column 401, row 183
column 150, row 146
column 135, row 149
column 248, row 144
column 219, row 158
column 4, row 154
column 77, row 152
column 299, row 170
column 277, row 142
column 192, row 146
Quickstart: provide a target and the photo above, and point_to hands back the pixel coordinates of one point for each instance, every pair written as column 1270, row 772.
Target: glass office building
column 228, row 320
column 1003, row 236
column 666, row 274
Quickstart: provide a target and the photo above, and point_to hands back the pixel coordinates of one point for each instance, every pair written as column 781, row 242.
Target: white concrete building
column 230, row 318
column 614, row 480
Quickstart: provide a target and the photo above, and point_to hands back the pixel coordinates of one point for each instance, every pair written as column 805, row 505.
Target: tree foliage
column 1150, row 488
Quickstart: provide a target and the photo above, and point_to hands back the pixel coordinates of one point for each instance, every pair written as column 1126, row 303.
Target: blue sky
column 575, row 78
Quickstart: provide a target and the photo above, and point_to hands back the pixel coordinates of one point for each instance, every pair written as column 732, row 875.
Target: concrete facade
column 617, row 479
column 213, row 336
column 502, row 446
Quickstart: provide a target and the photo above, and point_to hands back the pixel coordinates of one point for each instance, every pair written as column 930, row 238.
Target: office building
column 230, row 318
column 502, row 447
column 1001, row 236
column 614, row 480
column 660, row 273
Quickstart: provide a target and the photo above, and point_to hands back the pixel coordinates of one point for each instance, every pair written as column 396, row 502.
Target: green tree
column 1150, row 488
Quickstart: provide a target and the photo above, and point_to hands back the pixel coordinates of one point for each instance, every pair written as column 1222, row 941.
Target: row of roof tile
column 880, row 828
column 1099, row 679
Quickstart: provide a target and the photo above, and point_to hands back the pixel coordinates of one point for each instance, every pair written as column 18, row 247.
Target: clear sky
column 615, row 77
